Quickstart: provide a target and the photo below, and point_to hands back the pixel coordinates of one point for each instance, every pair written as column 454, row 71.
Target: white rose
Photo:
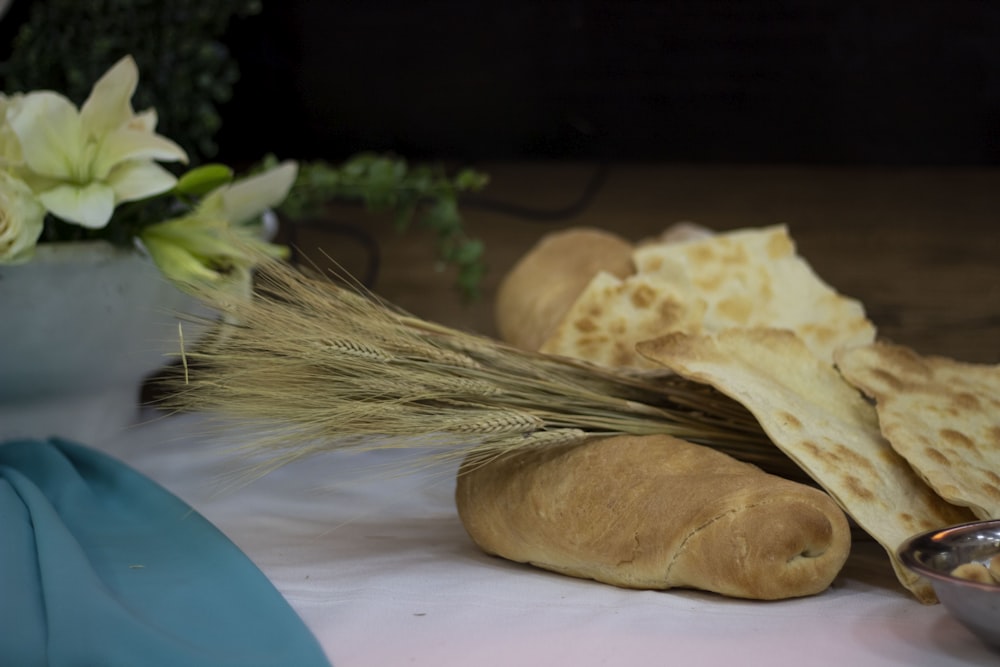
column 21, row 219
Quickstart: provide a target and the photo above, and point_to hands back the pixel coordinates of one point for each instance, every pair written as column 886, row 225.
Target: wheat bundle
column 309, row 365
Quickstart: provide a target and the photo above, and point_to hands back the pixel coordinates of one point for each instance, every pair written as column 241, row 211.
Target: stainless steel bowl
column 936, row 553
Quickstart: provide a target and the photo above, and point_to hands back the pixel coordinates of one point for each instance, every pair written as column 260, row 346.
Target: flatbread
column 745, row 278
column 941, row 415
column 822, row 423
column 535, row 294
column 612, row 315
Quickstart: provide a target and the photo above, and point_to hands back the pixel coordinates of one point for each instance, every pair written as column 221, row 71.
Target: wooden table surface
column 919, row 247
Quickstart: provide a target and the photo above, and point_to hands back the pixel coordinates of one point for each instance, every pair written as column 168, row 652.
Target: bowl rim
column 907, row 551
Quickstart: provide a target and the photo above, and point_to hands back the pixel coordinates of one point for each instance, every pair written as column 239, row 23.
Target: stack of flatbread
column 902, row 442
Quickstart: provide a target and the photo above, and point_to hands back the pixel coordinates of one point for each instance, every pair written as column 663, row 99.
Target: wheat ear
column 308, row 366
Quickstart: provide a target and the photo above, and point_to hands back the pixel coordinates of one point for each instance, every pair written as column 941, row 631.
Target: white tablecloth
column 378, row 566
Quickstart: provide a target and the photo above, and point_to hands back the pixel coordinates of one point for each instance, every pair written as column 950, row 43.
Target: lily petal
column 50, row 132
column 250, row 197
column 191, row 223
column 205, row 242
column 89, row 205
column 109, row 104
column 138, row 179
column 129, row 144
column 261, row 246
column 177, row 263
column 144, row 121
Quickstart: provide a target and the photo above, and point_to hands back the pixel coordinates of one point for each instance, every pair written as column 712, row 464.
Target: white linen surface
column 378, row 566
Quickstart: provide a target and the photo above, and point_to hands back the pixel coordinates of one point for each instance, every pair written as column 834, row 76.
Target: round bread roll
column 655, row 512
column 535, row 295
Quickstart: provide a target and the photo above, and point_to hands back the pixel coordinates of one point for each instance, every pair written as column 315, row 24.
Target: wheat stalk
column 309, row 366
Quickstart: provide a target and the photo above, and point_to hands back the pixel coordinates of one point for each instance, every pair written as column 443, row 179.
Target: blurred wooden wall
column 918, row 246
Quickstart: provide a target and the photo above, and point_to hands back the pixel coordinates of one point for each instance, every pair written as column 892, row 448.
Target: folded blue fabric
column 99, row 565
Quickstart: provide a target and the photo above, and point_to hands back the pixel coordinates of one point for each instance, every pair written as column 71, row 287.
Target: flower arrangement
column 94, row 172
column 97, row 171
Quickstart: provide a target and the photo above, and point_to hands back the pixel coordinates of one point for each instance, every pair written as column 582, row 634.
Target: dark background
column 713, row 81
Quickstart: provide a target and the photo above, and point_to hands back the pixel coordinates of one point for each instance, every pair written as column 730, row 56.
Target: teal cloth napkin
column 99, row 565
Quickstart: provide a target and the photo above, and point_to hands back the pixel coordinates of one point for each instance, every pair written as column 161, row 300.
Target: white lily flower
column 219, row 242
column 82, row 163
column 21, row 219
column 245, row 200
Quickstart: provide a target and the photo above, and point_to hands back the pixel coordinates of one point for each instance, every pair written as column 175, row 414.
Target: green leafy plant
column 423, row 194
column 65, row 45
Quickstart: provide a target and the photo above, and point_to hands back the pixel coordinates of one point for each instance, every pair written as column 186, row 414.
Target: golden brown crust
column 823, row 424
column 743, row 278
column 535, row 295
column 940, row 414
column 656, row 512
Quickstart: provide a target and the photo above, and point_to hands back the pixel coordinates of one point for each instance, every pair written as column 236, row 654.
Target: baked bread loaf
column 655, row 512
column 538, row 291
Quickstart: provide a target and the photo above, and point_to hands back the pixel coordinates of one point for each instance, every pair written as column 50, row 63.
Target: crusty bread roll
column 655, row 512
column 535, row 295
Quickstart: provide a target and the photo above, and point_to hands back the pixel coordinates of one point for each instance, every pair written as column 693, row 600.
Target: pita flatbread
column 941, row 415
column 745, row 278
column 612, row 315
column 534, row 296
column 822, row 423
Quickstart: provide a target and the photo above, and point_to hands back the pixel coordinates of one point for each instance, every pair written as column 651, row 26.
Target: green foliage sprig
column 425, row 194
